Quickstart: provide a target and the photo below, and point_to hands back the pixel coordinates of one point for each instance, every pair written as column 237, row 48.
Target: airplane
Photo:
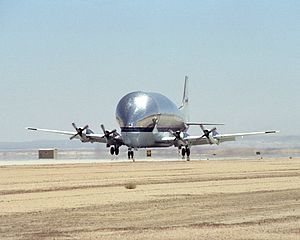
column 151, row 120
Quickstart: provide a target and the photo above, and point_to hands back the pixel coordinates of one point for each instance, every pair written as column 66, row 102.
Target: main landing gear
column 114, row 150
column 186, row 151
column 130, row 154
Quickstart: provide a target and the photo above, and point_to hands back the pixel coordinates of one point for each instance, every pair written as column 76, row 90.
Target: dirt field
column 249, row 199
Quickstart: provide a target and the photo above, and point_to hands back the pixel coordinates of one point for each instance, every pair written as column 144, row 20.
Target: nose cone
column 135, row 106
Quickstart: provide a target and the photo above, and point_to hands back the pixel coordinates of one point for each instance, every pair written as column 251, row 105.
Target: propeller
column 106, row 132
column 78, row 130
column 176, row 134
column 179, row 140
column 206, row 133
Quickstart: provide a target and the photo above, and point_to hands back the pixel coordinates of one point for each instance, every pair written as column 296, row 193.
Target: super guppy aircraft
column 149, row 120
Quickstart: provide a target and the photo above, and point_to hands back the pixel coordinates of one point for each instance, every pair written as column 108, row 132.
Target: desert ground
column 219, row 199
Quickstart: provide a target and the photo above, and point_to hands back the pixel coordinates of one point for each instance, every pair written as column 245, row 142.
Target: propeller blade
column 74, row 125
column 85, row 127
column 203, row 136
column 106, row 132
column 112, row 131
column 103, row 128
column 213, row 129
column 74, row 136
column 173, row 133
column 176, row 134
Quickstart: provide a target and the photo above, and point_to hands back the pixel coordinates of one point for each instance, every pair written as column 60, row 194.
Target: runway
column 220, row 199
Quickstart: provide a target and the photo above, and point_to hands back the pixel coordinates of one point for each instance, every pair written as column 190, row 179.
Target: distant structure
column 48, row 153
column 149, row 154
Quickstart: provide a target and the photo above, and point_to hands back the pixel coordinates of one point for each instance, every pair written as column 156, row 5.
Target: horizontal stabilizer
column 204, row 124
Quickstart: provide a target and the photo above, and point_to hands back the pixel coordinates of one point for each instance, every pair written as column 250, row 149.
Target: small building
column 148, row 153
column 50, row 153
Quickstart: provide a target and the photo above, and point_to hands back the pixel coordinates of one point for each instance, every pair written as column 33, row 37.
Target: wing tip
column 273, row 131
column 204, row 124
column 30, row 128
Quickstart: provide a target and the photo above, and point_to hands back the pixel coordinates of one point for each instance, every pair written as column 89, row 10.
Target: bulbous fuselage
column 139, row 112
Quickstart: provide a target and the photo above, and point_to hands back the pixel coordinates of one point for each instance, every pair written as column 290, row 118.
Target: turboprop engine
column 81, row 133
column 209, row 134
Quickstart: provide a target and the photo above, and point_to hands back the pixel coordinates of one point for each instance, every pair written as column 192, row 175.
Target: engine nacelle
column 213, row 140
column 83, row 138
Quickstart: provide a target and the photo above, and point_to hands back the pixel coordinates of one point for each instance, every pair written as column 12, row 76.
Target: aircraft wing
column 52, row 131
column 90, row 137
column 167, row 139
column 224, row 136
column 96, row 138
column 218, row 138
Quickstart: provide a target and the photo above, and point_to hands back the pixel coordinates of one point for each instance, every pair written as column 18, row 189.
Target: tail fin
column 184, row 108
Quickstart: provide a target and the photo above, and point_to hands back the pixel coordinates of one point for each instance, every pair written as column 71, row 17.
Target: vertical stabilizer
column 184, row 108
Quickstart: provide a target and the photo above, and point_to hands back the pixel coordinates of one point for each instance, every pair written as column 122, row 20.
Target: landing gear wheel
column 188, row 153
column 183, row 152
column 117, row 150
column 112, row 150
column 130, row 154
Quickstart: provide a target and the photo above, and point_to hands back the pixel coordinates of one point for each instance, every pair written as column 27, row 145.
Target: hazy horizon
column 71, row 61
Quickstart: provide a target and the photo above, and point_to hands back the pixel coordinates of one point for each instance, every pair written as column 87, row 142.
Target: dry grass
column 255, row 199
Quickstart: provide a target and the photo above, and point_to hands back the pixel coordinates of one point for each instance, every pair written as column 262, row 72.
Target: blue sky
column 65, row 61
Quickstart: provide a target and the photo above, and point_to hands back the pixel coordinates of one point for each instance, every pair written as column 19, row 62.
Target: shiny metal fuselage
column 146, row 117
